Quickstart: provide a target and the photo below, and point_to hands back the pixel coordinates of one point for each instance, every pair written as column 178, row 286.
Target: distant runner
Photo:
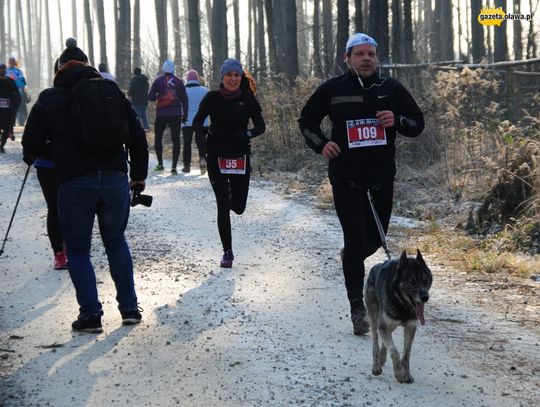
column 228, row 145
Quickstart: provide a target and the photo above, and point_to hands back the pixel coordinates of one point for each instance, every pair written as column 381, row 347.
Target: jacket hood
column 72, row 72
column 140, row 78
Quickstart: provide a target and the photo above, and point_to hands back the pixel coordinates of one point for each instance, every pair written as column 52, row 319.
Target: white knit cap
column 360, row 39
column 168, row 67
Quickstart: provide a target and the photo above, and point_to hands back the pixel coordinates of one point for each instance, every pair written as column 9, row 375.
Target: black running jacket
column 367, row 150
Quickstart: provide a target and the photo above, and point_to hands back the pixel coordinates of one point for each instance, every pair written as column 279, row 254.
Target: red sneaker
column 60, row 261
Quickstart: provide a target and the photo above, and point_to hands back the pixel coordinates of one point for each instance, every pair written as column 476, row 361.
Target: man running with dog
column 367, row 110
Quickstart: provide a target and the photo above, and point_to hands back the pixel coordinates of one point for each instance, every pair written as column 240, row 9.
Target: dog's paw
column 376, row 370
column 403, row 376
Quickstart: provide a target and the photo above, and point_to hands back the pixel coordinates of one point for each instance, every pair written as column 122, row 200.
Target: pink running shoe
column 60, row 261
column 226, row 261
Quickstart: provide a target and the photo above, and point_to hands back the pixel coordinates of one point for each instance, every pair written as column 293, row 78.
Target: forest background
column 473, row 175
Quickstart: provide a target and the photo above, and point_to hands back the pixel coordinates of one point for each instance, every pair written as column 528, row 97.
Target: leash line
column 379, row 224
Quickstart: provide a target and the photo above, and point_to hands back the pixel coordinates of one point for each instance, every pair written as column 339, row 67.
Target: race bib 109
column 232, row 165
column 365, row 133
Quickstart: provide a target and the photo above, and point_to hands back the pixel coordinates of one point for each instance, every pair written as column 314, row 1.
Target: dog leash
column 379, row 224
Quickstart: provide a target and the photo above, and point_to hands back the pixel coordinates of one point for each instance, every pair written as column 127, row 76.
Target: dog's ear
column 403, row 260
column 419, row 257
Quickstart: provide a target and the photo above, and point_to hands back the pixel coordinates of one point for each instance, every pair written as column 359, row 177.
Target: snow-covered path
column 273, row 330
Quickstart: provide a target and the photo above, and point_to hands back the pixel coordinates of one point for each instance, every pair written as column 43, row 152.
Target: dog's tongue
column 420, row 312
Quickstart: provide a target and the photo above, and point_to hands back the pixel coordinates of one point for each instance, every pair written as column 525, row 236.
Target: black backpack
column 99, row 118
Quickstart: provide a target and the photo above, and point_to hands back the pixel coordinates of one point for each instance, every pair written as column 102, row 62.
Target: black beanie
column 137, row 71
column 72, row 52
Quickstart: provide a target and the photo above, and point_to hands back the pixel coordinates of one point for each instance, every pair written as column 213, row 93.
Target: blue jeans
column 79, row 201
column 141, row 114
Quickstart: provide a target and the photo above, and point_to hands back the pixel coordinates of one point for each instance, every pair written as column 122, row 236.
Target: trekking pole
column 14, row 210
column 379, row 224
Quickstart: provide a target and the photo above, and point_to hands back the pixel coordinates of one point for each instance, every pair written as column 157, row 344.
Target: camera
column 138, row 198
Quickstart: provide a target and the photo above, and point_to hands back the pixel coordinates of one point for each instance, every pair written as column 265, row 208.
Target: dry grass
column 455, row 250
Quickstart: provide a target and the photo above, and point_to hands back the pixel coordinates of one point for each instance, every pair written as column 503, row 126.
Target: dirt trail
column 273, row 330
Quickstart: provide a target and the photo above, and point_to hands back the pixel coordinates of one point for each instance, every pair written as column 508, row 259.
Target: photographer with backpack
column 84, row 121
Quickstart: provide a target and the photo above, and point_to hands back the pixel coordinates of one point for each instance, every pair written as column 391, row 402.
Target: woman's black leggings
column 47, row 181
column 159, row 128
column 231, row 192
column 360, row 233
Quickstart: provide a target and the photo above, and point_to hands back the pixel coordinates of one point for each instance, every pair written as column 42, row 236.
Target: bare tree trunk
column 255, row 36
column 303, row 38
column 272, row 50
column 358, row 17
column 460, row 31
column 60, row 24
column 177, row 34
column 195, row 36
column 328, row 55
column 89, row 31
column 501, row 41
column 342, row 35
column 73, row 18
column 378, row 27
column 261, row 45
column 396, row 31
column 428, row 26
column 161, row 20
column 35, row 43
column 250, row 36
column 290, row 57
column 408, row 39
column 127, row 40
column 236, row 14
column 317, row 64
column 531, row 37
column 9, row 41
column 30, row 56
column 49, row 59
column 137, row 58
column 3, row 52
column 102, row 33
column 219, row 37
column 477, row 33
column 489, row 45
column 383, row 37
column 22, row 50
column 518, row 45
column 209, row 14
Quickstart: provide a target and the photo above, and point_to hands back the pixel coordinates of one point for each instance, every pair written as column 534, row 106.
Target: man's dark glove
column 407, row 123
column 28, row 159
column 184, row 119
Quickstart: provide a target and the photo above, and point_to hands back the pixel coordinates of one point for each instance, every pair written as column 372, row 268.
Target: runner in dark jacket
column 366, row 110
column 138, row 91
column 228, row 145
column 9, row 103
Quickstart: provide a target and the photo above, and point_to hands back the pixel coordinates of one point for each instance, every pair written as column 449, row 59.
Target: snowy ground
column 273, row 330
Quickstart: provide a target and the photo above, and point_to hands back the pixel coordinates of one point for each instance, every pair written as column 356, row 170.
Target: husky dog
column 395, row 294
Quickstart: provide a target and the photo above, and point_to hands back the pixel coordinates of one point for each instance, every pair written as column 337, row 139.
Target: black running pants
column 200, row 140
column 47, row 182
column 360, row 233
column 231, row 192
column 160, row 125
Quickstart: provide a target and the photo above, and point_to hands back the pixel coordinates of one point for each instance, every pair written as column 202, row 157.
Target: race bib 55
column 232, row 165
